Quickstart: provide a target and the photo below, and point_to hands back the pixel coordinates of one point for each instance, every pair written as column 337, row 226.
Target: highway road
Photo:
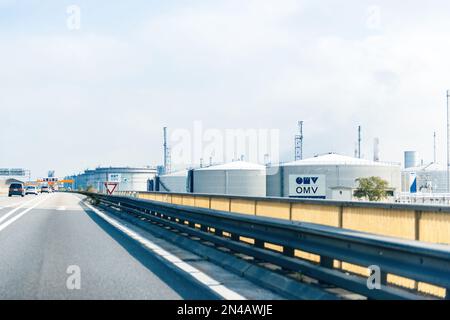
column 52, row 246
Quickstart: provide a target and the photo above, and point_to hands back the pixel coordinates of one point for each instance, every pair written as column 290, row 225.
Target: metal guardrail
column 428, row 263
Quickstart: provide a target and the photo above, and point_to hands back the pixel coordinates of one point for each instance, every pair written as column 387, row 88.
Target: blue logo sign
column 307, row 180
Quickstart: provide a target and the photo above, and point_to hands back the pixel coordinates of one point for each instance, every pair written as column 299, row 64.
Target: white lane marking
column 224, row 291
column 20, row 215
column 6, row 216
column 13, row 205
column 62, row 208
column 4, row 206
column 214, row 285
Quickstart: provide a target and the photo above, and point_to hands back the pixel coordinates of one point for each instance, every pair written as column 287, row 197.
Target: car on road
column 31, row 190
column 16, row 189
column 45, row 189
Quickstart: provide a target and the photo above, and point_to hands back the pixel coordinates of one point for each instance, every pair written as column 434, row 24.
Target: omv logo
column 307, row 186
column 306, row 180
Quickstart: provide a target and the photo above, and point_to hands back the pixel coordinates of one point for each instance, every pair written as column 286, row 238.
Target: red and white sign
column 111, row 187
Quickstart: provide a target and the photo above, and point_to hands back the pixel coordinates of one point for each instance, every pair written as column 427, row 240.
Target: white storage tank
column 329, row 176
column 127, row 179
column 173, row 182
column 234, row 178
column 411, row 159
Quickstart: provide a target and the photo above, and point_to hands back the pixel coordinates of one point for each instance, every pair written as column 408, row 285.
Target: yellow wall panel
column 395, row 223
column 159, row 197
column 243, row 206
column 325, row 215
column 273, row 209
column 434, row 227
column 176, row 199
column 188, row 201
column 220, row 204
column 202, row 202
column 144, row 196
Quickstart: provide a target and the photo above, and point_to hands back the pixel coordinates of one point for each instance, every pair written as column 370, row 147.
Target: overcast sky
column 72, row 99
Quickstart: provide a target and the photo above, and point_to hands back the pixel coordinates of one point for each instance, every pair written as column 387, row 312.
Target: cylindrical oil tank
column 173, row 182
column 329, row 176
column 234, row 178
column 411, row 159
column 127, row 179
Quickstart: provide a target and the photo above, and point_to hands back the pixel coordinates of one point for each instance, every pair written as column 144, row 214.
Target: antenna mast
column 166, row 153
column 434, row 147
column 299, row 142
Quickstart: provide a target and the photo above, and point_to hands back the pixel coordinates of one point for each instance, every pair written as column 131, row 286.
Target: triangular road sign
column 111, row 187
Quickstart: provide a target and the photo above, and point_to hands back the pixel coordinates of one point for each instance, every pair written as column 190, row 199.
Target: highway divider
column 427, row 223
column 285, row 243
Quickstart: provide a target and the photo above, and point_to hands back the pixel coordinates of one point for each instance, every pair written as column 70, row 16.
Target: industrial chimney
column 376, row 150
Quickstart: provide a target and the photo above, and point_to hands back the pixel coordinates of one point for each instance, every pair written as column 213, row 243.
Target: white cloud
column 231, row 64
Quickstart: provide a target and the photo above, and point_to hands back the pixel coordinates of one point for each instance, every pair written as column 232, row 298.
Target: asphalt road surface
column 53, row 247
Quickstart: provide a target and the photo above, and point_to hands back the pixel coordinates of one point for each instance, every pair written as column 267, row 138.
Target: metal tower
column 448, row 143
column 166, row 153
column 434, row 147
column 299, row 142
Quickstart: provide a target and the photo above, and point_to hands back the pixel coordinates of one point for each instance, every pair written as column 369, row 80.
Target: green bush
column 372, row 188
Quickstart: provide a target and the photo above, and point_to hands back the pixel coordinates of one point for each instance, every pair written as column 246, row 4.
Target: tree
column 372, row 188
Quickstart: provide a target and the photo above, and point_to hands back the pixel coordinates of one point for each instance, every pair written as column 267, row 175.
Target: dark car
column 16, row 189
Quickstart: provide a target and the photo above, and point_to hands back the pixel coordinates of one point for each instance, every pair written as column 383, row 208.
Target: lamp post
column 448, row 143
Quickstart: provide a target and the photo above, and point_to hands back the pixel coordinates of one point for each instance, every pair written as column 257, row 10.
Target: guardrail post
column 235, row 237
column 288, row 251
column 259, row 244
column 326, row 262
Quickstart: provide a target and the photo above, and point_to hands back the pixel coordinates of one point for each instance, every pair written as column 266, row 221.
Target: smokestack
column 376, row 150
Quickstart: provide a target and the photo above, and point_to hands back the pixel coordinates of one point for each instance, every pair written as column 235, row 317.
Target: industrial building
column 430, row 178
column 329, row 176
column 234, row 178
column 127, row 179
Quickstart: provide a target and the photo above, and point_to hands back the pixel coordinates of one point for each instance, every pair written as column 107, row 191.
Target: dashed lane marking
column 206, row 280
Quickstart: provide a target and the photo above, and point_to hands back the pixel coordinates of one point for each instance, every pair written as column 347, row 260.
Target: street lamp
column 448, row 144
